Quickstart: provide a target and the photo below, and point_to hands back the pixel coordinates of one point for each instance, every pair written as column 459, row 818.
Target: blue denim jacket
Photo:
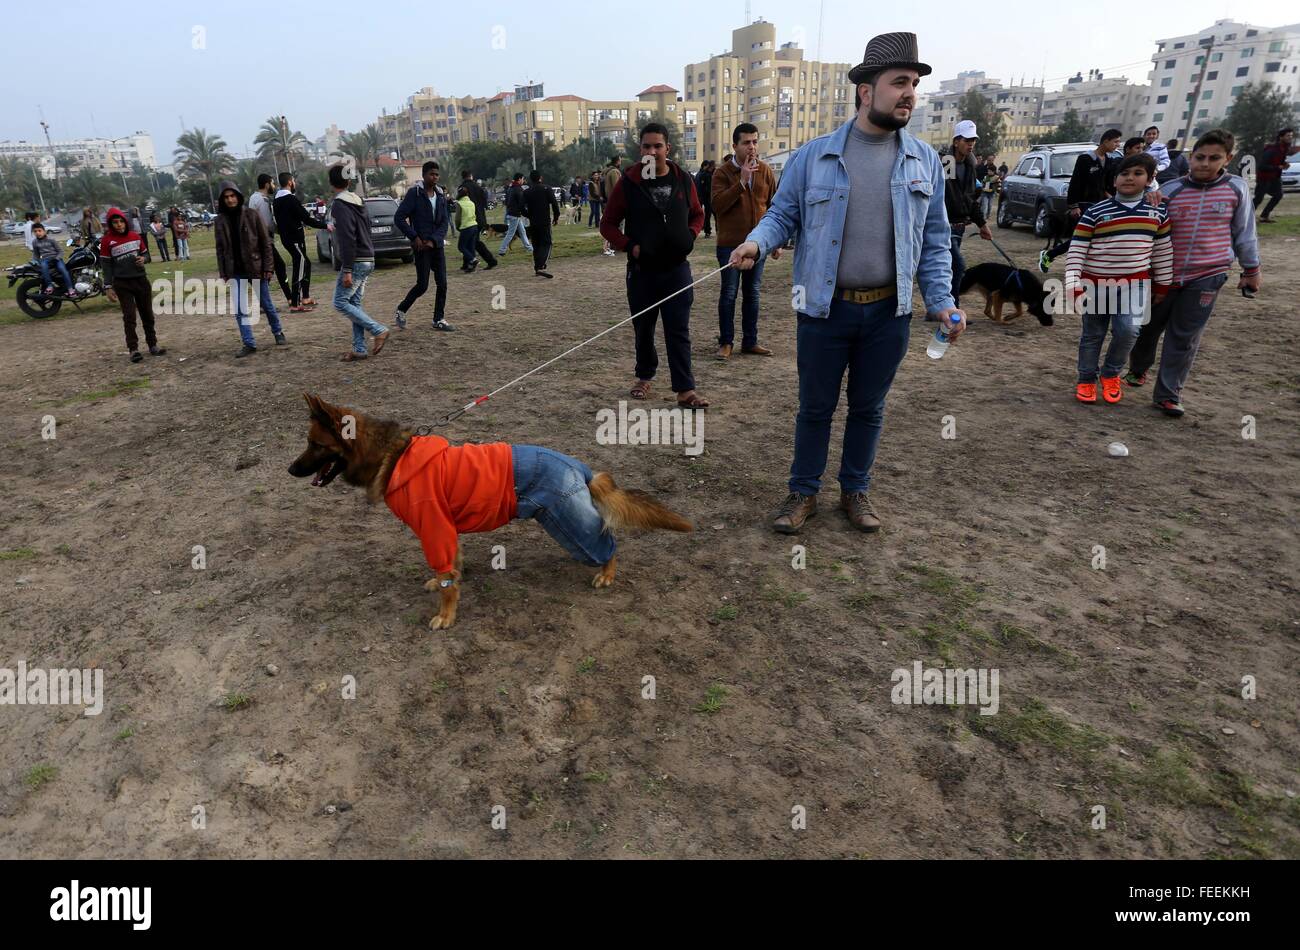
column 811, row 202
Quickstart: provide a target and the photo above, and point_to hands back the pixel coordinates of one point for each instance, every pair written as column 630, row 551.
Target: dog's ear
column 322, row 412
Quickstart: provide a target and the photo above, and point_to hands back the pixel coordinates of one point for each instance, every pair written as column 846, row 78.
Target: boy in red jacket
column 122, row 256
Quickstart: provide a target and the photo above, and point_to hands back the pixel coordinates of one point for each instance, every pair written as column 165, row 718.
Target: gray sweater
column 867, row 249
column 45, row 248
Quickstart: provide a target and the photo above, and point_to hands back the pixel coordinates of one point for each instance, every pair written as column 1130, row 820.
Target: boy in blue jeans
column 47, row 253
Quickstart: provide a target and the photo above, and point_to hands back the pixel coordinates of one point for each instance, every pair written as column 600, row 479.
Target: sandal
column 695, row 402
column 641, row 390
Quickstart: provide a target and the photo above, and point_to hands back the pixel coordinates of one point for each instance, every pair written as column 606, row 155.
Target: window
column 1242, row 70
column 1207, row 95
column 1179, row 45
column 1167, row 81
column 1230, row 36
column 1198, row 61
column 1276, row 47
column 1248, row 52
column 1236, row 91
column 1272, row 67
column 643, row 115
column 1161, row 100
column 1158, row 117
column 1216, row 58
column 543, row 115
column 1169, row 63
column 1212, row 74
column 1203, row 113
column 692, row 116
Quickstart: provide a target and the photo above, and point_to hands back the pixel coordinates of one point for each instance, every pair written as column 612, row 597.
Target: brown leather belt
column 865, row 294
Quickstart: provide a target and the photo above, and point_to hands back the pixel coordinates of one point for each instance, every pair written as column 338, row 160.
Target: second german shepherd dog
column 442, row 491
column 1000, row 285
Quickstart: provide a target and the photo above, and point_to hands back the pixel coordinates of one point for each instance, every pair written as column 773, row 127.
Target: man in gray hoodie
column 354, row 258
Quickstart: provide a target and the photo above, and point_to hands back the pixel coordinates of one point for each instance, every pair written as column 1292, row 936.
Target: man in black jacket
column 290, row 216
column 1092, row 180
column 704, row 187
column 423, row 216
column 961, row 198
column 354, row 257
column 660, row 208
column 479, row 197
column 514, row 215
column 539, row 199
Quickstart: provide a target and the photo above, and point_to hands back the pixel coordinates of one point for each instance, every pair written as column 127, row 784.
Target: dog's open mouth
column 327, row 474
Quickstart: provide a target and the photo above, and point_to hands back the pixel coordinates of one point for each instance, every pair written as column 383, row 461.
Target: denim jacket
column 811, row 201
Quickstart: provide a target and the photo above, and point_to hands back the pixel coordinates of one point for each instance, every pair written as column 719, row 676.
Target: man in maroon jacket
column 657, row 204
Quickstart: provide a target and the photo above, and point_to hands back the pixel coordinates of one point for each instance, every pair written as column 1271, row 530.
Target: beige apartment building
column 1102, row 103
column 430, row 125
column 790, row 99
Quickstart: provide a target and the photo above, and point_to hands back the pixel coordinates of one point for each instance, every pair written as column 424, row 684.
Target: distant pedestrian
column 159, row 232
column 543, row 211
column 609, row 179
column 1268, row 177
column 423, row 216
column 479, row 197
column 704, row 186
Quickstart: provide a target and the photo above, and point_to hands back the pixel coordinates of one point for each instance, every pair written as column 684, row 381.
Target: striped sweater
column 1115, row 242
column 1212, row 222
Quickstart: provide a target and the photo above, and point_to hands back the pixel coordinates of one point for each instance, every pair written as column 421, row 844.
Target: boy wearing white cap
column 961, row 197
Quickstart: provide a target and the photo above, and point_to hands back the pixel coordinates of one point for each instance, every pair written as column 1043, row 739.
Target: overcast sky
column 110, row 68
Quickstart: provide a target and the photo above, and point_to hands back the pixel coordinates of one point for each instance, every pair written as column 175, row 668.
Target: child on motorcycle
column 46, row 252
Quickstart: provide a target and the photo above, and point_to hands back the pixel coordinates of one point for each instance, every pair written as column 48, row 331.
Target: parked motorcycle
column 83, row 265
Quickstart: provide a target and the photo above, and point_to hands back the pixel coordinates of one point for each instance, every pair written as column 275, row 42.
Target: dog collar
column 446, row 583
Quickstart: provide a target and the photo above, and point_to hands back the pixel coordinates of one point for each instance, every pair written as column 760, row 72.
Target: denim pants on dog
column 347, row 301
column 240, row 290
column 552, row 488
column 1123, row 328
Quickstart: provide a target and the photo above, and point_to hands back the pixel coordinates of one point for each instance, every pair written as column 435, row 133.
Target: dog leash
column 426, row 429
column 1004, row 254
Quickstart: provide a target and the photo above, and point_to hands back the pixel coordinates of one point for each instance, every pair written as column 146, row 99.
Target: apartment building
column 106, row 155
column 1101, row 102
column 790, row 99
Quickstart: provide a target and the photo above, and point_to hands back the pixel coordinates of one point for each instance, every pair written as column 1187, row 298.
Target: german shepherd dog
column 1000, row 285
column 442, row 491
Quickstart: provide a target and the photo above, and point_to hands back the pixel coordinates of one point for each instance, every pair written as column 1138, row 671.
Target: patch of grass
column 713, row 697
column 599, row 777
column 119, row 388
column 438, row 687
column 1035, row 724
column 727, row 612
column 1169, row 535
column 17, row 554
column 126, row 733
column 206, row 603
column 587, row 664
column 237, row 700
column 862, row 601
column 790, row 598
column 63, row 550
column 38, row 775
column 938, row 637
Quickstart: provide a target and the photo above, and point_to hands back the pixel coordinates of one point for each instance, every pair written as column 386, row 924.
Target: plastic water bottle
column 938, row 343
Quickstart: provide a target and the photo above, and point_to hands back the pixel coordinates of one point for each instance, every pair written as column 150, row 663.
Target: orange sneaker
column 1085, row 392
column 1110, row 389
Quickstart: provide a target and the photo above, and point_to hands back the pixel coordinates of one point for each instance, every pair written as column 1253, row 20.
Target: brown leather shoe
column 858, row 507
column 794, row 511
column 756, row 350
column 724, row 351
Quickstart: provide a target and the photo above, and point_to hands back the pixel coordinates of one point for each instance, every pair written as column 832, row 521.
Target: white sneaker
column 399, row 318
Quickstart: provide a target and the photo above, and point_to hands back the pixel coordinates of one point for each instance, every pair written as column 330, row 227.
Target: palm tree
column 364, row 146
column 276, row 139
column 385, row 178
column 204, row 156
column 245, row 175
column 64, row 162
column 93, row 188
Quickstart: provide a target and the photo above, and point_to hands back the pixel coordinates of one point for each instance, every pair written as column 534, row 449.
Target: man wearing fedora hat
column 867, row 202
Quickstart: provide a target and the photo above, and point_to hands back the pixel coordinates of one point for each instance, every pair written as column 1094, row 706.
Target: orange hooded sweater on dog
column 442, row 490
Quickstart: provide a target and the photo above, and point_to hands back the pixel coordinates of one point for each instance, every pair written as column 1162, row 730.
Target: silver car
column 1036, row 187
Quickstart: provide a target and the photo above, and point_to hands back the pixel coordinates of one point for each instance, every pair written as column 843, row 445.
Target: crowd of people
column 1140, row 212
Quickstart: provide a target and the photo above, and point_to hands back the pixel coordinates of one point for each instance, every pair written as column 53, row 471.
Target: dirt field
column 1119, row 687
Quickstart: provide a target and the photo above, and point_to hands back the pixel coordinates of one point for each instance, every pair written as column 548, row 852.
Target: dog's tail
column 631, row 509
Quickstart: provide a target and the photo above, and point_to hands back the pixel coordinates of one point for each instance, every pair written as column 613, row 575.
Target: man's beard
column 885, row 120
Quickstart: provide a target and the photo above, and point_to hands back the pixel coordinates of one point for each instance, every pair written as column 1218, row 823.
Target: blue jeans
column 465, row 244
column 958, row 262
column 183, row 248
column 552, row 488
column 45, row 263
column 239, row 289
column 593, row 219
column 747, row 283
column 868, row 340
column 347, row 301
column 1123, row 334
column 515, row 226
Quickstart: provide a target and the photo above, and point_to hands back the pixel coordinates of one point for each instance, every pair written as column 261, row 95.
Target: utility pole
column 54, row 158
column 1196, row 94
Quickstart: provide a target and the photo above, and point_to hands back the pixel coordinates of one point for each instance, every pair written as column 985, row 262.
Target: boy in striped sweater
column 1212, row 222
column 1120, row 246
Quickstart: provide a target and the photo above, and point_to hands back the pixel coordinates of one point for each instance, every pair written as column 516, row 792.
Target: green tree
column 385, row 178
column 1257, row 115
column 245, row 175
column 17, row 186
column 364, row 147
column 89, row 187
column 988, row 120
column 276, row 142
column 1071, row 129
column 632, row 147
column 203, row 156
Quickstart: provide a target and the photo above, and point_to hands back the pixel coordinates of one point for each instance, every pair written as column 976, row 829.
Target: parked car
column 1291, row 178
column 1037, row 185
column 388, row 240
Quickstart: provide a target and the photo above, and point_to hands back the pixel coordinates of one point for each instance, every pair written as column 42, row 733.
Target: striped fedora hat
column 886, row 51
